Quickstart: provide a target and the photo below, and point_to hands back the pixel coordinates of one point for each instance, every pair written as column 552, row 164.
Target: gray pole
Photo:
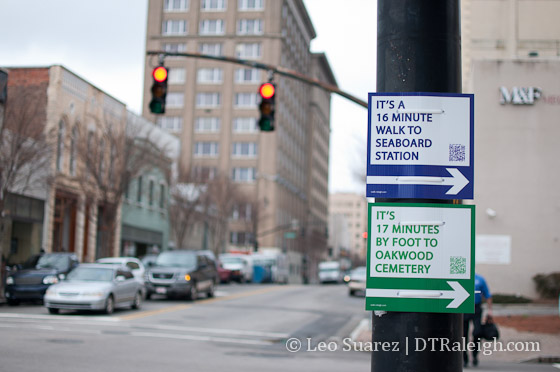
column 418, row 50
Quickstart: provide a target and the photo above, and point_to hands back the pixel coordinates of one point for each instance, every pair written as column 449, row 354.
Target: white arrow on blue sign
column 420, row 145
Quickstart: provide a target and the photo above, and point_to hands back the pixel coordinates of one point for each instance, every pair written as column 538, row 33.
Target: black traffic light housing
column 159, row 90
column 267, row 91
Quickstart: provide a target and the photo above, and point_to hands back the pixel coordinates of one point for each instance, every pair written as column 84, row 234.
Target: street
column 245, row 327
column 242, row 328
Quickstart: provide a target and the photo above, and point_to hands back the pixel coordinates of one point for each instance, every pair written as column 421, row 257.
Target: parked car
column 357, row 282
column 135, row 265
column 241, row 266
column 31, row 284
column 223, row 273
column 149, row 260
column 95, row 287
column 181, row 273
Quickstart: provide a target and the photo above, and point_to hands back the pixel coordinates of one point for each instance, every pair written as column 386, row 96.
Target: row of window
column 242, row 50
column 209, row 124
column 212, row 5
column 214, row 75
column 238, row 149
column 179, row 27
column 176, row 100
column 238, row 174
column 150, row 193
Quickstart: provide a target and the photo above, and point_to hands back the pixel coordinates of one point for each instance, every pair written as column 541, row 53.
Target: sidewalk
column 547, row 345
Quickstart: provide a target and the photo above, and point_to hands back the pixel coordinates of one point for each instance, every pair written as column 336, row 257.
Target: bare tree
column 253, row 212
column 221, row 196
column 185, row 208
column 25, row 147
column 112, row 155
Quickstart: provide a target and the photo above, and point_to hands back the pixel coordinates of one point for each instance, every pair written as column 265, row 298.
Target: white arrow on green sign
column 420, row 258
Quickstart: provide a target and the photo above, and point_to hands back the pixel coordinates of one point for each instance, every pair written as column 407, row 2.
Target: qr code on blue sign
column 456, row 152
column 458, row 265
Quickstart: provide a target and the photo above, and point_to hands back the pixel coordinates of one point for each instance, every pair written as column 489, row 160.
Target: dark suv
column 181, row 273
column 29, row 284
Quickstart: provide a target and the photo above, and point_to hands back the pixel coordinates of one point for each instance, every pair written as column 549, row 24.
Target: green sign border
column 419, row 304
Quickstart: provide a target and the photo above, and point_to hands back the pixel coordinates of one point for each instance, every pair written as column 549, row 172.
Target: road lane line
column 202, row 338
column 202, row 302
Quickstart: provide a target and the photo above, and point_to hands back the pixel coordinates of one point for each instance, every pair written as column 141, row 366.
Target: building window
column 162, row 196
column 244, row 149
column 212, row 49
column 203, row 174
column 174, row 27
column 73, row 150
column 60, row 145
column 175, row 47
column 176, row 5
column 245, row 125
column 249, row 27
column 247, row 76
column 177, row 76
column 210, row 76
column 139, row 190
column 206, row 149
column 151, row 193
column 250, row 4
column 207, row 125
column 171, row 123
column 208, row 99
column 242, row 212
column 175, row 100
column 248, row 51
column 245, row 100
column 243, row 174
column 213, row 5
column 212, row 27
column 240, row 238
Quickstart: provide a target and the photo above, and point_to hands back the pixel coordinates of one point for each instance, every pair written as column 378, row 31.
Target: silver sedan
column 95, row 287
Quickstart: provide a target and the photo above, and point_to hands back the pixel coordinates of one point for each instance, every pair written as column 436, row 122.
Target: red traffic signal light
column 267, row 107
column 267, row 90
column 159, row 90
column 160, row 74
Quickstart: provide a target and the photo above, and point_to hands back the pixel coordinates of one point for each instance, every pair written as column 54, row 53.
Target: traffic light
column 267, row 92
column 159, row 90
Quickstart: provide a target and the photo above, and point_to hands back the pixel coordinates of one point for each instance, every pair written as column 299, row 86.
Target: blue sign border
column 419, row 191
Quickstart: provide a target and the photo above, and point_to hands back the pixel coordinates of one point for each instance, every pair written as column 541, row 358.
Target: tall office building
column 213, row 107
column 511, row 63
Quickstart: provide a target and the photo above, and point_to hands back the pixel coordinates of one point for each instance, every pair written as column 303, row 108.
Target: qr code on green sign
column 458, row 265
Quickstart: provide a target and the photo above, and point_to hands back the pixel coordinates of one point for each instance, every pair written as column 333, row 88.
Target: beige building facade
column 511, row 62
column 212, row 107
column 349, row 216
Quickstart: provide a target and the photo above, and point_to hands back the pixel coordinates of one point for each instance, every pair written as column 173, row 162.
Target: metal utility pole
column 418, row 50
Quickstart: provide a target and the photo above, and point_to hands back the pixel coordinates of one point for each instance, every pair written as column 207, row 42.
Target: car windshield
column 175, row 259
column 91, row 274
column 52, row 261
column 329, row 269
column 231, row 260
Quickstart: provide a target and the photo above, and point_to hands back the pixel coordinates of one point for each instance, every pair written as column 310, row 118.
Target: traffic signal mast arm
column 263, row 66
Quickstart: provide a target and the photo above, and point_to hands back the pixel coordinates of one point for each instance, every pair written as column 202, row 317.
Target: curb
column 363, row 326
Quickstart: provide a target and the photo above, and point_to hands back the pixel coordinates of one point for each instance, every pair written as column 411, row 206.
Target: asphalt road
column 242, row 328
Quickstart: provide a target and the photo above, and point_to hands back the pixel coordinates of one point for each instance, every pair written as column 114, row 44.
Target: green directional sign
column 420, row 258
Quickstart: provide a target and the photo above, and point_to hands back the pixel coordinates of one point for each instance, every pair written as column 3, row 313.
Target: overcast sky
column 103, row 41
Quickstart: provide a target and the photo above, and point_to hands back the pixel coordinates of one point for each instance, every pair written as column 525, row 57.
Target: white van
column 329, row 272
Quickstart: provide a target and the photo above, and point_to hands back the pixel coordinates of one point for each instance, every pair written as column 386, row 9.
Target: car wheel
column 137, row 301
column 53, row 311
column 193, row 292
column 210, row 292
column 352, row 292
column 110, row 305
column 13, row 302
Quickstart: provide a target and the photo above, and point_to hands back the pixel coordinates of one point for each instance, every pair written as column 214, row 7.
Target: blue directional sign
column 420, row 146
